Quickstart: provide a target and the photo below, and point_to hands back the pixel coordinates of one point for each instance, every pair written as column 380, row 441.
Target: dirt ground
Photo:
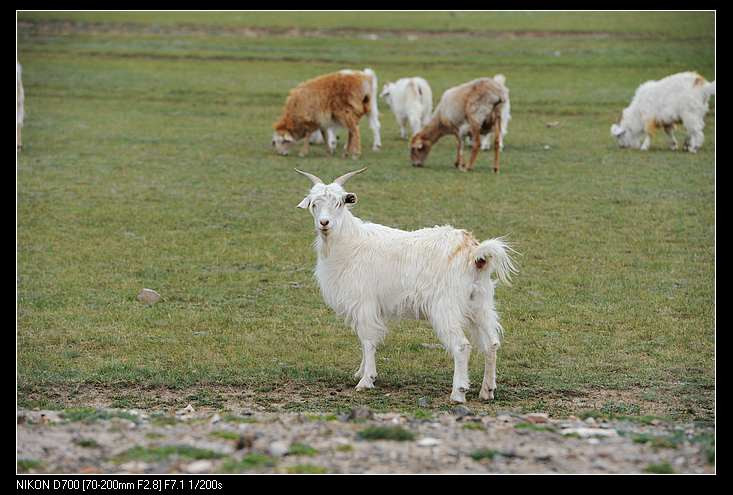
column 91, row 440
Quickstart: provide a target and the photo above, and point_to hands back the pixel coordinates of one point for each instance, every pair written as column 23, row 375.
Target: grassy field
column 147, row 164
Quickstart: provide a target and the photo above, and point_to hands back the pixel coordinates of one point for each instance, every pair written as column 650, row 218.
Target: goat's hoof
column 486, row 394
column 364, row 386
column 457, row 397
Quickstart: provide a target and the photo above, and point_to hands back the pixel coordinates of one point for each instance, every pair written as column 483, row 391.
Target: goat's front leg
column 476, row 137
column 353, row 146
column 368, row 368
column 306, row 145
column 669, row 130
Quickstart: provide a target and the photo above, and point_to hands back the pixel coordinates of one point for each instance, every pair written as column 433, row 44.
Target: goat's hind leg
column 452, row 337
column 487, row 334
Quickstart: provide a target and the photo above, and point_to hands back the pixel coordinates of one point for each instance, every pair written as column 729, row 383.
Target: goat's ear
column 305, row 203
column 418, row 145
column 617, row 130
column 288, row 138
column 349, row 198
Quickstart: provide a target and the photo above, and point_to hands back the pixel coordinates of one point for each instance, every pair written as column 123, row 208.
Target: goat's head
column 328, row 203
column 624, row 135
column 386, row 93
column 282, row 141
column 419, row 149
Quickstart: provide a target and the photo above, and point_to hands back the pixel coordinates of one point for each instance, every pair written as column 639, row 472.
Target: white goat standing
column 411, row 100
column 369, row 273
column 679, row 98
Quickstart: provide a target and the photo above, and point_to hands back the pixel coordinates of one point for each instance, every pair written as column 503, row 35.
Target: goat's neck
column 349, row 228
column 435, row 130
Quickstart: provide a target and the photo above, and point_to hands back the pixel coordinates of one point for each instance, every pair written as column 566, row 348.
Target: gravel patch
column 191, row 441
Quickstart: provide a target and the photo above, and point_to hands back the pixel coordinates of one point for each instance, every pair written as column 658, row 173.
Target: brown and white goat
column 336, row 99
column 478, row 104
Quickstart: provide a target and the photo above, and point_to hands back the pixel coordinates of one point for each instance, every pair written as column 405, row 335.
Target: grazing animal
column 477, row 104
column 677, row 99
column 506, row 116
column 411, row 100
column 339, row 99
column 370, row 274
column 19, row 105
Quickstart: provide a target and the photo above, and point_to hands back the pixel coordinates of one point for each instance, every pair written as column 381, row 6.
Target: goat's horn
column 315, row 180
column 341, row 180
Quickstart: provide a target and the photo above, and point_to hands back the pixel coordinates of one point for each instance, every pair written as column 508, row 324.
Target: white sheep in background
column 369, row 274
column 411, row 100
column 478, row 104
column 679, row 98
column 506, row 116
column 19, row 105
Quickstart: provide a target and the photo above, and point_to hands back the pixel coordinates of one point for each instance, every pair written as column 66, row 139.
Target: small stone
column 461, row 411
column 552, row 124
column 202, row 466
column 246, row 440
column 215, row 418
column 536, row 418
column 278, row 449
column 423, row 402
column 589, row 432
column 590, row 420
column 546, row 147
column 361, row 412
column 148, row 296
column 134, row 466
column 428, row 442
column 504, row 418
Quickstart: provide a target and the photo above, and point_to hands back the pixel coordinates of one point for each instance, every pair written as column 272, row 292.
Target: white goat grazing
column 506, row 116
column 19, row 105
column 411, row 100
column 369, row 274
column 679, row 98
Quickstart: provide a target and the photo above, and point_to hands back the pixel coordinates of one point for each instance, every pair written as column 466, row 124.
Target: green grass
column 302, row 449
column 480, row 454
column 147, row 164
column 661, row 468
column 88, row 443
column 90, row 415
column 25, row 465
column 396, row 433
column 160, row 453
column 225, row 435
column 535, row 427
column 247, row 463
column 306, row 469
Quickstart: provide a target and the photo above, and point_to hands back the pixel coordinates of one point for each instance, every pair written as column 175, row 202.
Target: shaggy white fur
column 679, row 98
column 411, row 100
column 370, row 274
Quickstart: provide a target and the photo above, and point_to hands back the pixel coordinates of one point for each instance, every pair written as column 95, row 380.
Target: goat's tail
column 375, row 87
column 496, row 252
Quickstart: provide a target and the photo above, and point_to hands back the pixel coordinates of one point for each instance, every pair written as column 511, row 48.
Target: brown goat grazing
column 478, row 104
column 336, row 99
